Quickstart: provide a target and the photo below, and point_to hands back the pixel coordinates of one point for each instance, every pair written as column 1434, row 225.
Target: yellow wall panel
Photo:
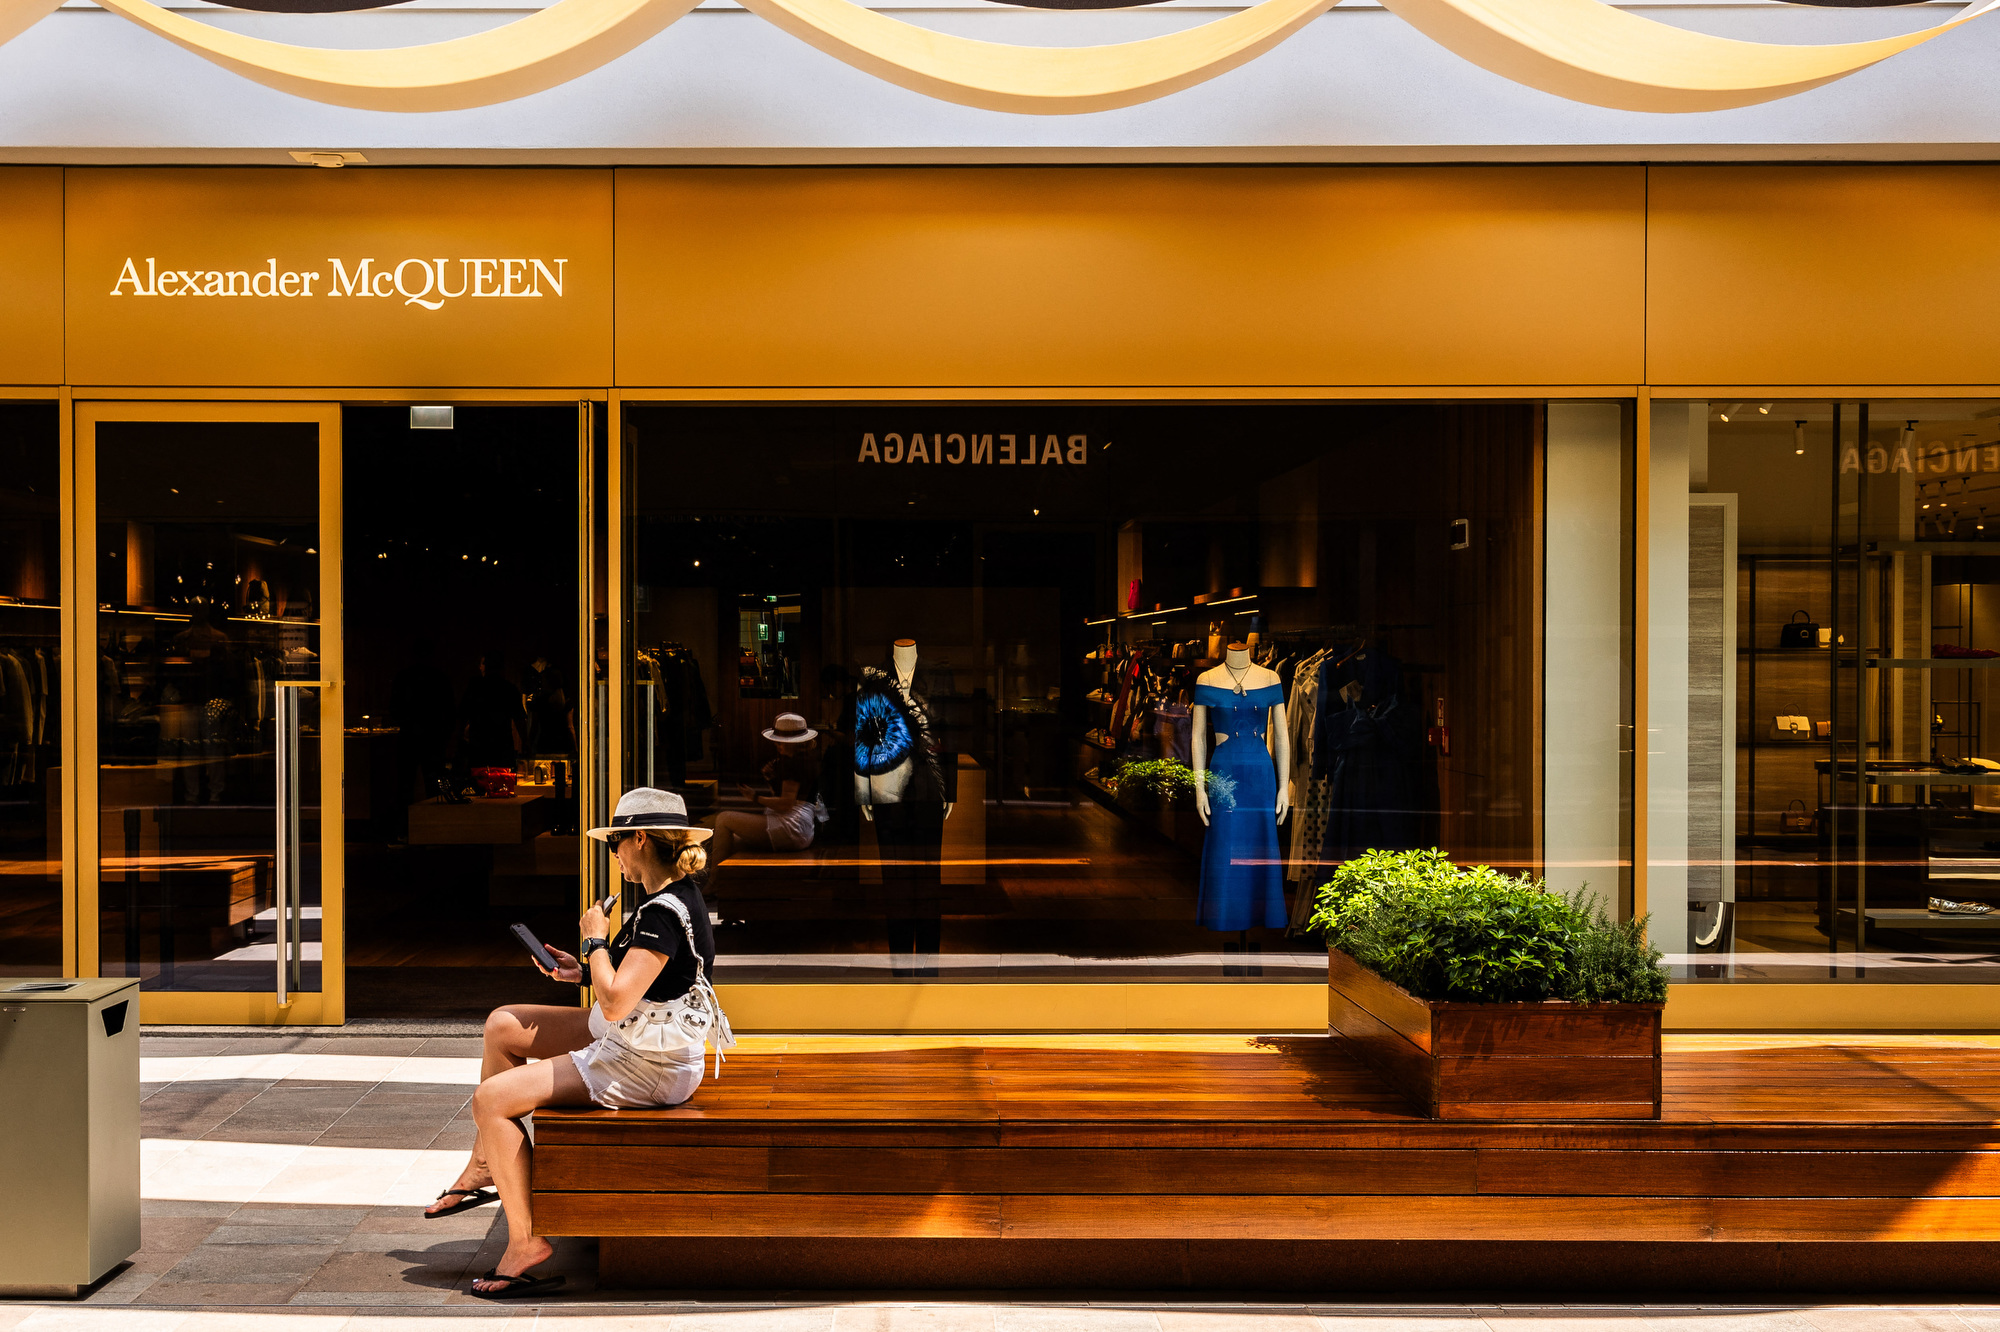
column 1135, row 276
column 1767, row 275
column 31, row 294
column 465, row 241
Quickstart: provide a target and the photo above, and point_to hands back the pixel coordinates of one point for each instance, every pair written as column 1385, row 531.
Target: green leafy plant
column 1615, row 963
column 1472, row 934
column 1173, row 782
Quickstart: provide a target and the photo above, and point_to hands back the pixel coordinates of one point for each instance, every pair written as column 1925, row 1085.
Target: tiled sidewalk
column 284, row 1179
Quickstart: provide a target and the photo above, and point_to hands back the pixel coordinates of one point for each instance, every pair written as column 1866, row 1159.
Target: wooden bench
column 1276, row 1164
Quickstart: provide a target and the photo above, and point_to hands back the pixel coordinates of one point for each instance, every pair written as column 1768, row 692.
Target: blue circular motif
column 881, row 736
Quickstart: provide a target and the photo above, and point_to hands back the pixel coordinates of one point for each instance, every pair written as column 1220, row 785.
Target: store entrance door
column 209, row 677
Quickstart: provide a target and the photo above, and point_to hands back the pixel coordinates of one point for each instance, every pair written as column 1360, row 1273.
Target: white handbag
column 660, row 1027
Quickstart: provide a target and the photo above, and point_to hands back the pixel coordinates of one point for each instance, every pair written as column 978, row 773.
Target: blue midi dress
column 1242, row 873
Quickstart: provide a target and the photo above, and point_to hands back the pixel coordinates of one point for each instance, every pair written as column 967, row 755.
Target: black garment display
column 681, row 700
column 491, row 711
column 910, row 837
column 898, row 769
column 548, row 712
column 420, row 708
column 1368, row 752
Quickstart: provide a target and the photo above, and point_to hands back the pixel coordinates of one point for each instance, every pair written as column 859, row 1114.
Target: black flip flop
column 516, row 1286
column 472, row 1198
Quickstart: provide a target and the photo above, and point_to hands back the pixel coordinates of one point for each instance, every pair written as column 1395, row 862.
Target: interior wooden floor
column 1059, row 1161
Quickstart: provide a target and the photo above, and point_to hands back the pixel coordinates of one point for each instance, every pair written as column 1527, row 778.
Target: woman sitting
column 790, row 814
column 640, row 1045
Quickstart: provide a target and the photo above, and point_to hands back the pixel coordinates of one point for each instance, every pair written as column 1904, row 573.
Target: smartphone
column 534, row 946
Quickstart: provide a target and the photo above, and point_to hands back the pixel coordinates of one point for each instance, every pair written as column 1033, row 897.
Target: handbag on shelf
column 1799, row 820
column 1800, row 633
column 1792, row 728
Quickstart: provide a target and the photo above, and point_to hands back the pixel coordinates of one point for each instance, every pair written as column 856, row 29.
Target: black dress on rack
column 1368, row 752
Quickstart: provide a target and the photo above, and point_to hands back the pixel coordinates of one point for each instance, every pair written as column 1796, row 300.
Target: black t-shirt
column 800, row 768
column 659, row 928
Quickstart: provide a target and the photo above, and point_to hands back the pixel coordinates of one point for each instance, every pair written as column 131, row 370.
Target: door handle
column 286, row 917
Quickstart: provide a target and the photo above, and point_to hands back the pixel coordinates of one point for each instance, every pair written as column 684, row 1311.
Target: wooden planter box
column 1551, row 1060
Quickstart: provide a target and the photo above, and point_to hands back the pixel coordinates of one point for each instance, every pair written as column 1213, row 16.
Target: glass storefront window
column 997, row 622
column 1826, row 804
column 208, row 586
column 31, row 935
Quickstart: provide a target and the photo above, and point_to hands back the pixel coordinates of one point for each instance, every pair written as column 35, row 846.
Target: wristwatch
column 590, row 946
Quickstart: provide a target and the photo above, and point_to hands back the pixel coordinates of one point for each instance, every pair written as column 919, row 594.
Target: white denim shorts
column 620, row 1078
column 791, row 829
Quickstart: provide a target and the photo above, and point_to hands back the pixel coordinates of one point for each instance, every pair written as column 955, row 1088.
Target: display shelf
column 1784, row 652
column 1930, row 663
column 1931, row 547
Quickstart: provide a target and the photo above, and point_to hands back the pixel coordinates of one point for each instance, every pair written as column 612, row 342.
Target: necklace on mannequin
column 1236, row 675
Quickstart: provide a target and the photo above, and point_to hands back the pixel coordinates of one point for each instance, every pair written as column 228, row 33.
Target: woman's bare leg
column 500, row 1104
column 737, row 828
column 514, row 1035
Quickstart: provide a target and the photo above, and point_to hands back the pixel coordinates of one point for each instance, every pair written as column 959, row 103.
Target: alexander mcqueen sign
column 426, row 282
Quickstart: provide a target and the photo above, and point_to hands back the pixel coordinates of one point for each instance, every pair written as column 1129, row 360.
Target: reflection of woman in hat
column 789, row 818
column 659, row 959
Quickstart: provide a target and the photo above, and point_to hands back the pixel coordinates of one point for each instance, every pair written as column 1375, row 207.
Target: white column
column 1582, row 671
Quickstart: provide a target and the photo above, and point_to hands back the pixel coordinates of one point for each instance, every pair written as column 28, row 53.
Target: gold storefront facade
column 667, row 385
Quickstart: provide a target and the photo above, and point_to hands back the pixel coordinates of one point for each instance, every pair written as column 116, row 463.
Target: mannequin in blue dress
column 1242, row 872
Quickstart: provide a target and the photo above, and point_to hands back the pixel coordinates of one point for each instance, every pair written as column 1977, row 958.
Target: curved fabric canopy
column 1583, row 50
column 1587, row 51
column 548, row 48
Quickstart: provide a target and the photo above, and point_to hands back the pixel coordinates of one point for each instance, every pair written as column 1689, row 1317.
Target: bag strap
column 721, row 1036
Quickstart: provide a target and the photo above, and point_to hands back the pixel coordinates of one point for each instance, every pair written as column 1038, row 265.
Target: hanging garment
column 896, row 755
column 1242, row 886
column 1309, row 793
column 1368, row 752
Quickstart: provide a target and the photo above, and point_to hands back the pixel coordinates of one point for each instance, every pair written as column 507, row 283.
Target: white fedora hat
column 789, row 729
column 644, row 809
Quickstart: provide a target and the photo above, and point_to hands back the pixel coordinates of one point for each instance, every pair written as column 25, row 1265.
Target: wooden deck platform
column 1281, row 1163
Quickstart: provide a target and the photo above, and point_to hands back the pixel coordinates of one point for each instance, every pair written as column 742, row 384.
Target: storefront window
column 1824, row 804
column 933, row 672
column 31, row 935
column 208, row 589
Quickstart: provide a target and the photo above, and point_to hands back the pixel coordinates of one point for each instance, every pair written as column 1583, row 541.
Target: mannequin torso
column 1242, row 678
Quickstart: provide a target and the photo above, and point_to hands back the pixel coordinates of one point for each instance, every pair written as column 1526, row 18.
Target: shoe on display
column 1945, row 906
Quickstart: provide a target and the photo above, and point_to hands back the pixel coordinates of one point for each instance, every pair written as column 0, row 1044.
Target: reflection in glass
column 208, row 596
column 991, row 620
column 1842, row 619
column 30, row 701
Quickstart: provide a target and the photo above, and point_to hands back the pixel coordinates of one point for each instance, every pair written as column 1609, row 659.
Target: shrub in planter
column 1482, row 995
column 1474, row 935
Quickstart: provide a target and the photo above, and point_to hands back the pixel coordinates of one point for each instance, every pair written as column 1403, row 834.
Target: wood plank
column 989, row 1170
column 1388, row 1003
column 1545, row 1078
column 1366, row 1218
column 1884, row 1174
column 1386, row 1051
column 1554, row 1030
column 619, row 1167
column 954, row 1216
column 1879, row 1220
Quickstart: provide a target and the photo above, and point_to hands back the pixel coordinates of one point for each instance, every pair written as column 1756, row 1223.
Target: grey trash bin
column 69, row 1132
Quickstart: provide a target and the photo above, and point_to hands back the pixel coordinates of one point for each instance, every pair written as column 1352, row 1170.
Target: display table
column 502, row 821
column 1914, row 918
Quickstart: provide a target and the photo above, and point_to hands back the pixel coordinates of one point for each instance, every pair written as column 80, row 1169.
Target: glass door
column 213, row 659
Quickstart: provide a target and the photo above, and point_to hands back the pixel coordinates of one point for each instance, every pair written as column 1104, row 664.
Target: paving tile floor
column 284, row 1177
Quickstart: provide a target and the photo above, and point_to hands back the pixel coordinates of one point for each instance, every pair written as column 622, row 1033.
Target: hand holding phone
column 543, row 958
